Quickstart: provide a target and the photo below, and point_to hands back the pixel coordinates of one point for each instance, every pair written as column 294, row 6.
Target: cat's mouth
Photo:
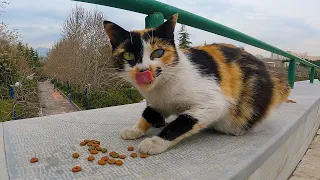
column 147, row 77
column 144, row 78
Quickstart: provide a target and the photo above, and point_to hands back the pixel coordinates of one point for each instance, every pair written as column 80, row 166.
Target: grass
column 5, row 110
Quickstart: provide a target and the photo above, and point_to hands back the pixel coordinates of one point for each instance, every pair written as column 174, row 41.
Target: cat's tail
column 281, row 90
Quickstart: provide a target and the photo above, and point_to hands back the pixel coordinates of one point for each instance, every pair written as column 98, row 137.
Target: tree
column 184, row 38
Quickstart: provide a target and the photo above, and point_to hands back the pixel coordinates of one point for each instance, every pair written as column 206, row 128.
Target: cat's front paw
column 154, row 145
column 130, row 134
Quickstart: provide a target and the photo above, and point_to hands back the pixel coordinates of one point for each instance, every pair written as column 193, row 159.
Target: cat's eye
column 157, row 53
column 128, row 56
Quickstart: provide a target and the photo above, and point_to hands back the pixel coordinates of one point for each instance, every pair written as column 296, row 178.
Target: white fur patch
column 154, row 145
column 130, row 134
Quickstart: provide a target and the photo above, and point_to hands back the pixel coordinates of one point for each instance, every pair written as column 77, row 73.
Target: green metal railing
column 156, row 13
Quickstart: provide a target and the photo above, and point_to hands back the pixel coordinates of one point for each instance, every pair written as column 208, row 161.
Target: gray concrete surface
column 309, row 166
column 205, row 156
column 3, row 163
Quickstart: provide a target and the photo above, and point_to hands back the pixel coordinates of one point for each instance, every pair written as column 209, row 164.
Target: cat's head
column 143, row 56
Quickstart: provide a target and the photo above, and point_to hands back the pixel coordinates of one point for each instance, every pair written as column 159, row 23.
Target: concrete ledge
column 270, row 151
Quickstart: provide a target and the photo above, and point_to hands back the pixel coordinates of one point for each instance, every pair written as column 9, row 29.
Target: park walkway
column 308, row 168
column 52, row 101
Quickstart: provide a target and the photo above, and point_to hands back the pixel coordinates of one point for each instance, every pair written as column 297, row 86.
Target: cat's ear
column 115, row 33
column 166, row 29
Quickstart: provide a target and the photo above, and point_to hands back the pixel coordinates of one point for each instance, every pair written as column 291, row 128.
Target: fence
column 156, row 13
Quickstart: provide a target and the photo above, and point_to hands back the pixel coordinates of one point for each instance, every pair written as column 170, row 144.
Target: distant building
column 259, row 56
column 300, row 55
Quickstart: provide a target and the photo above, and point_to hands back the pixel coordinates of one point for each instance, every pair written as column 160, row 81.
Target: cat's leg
column 186, row 124
column 150, row 117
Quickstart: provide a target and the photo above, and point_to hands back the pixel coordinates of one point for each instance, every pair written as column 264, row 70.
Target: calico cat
column 217, row 86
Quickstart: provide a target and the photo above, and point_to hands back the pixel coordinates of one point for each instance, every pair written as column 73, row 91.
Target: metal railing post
column 154, row 20
column 312, row 72
column 292, row 72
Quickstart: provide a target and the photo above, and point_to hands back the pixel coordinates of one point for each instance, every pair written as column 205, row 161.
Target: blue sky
column 288, row 24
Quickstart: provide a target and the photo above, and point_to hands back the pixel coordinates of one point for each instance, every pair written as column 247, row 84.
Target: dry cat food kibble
column 143, row 155
column 86, row 140
column 34, row 159
column 89, row 143
column 95, row 145
column 96, row 142
column 91, row 148
column 112, row 152
column 94, row 151
column 122, row 156
column 134, row 155
column 104, row 150
column 102, row 162
column 105, row 158
column 115, row 155
column 91, row 158
column 98, row 148
column 111, row 161
column 290, row 101
column 130, row 148
column 119, row 162
column 76, row 169
column 75, row 155
column 83, row 143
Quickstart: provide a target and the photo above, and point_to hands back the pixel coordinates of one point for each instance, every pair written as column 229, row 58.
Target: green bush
column 27, row 100
column 4, row 92
column 100, row 99
column 5, row 110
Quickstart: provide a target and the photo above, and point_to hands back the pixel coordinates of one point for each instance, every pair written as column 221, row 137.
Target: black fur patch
column 263, row 91
column 205, row 63
column 262, row 87
column 117, row 34
column 231, row 54
column 178, row 127
column 154, row 117
column 134, row 45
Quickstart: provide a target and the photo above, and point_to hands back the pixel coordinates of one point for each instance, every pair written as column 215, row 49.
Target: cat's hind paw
column 130, row 134
column 154, row 145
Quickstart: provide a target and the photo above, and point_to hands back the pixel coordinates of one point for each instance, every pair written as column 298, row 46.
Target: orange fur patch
column 231, row 75
column 281, row 92
column 143, row 125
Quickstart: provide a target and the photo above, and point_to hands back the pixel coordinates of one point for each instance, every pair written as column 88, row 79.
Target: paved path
column 52, row 101
column 309, row 166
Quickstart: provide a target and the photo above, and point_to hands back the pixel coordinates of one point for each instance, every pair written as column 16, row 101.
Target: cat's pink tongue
column 144, row 77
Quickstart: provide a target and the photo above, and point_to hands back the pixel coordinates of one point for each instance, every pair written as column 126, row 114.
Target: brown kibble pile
column 94, row 151
column 134, row 155
column 91, row 158
column 34, row 159
column 105, row 158
column 111, row 161
column 130, row 148
column 102, row 162
column 76, row 169
column 94, row 148
column 75, row 155
column 119, row 162
column 290, row 101
column 143, row 155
